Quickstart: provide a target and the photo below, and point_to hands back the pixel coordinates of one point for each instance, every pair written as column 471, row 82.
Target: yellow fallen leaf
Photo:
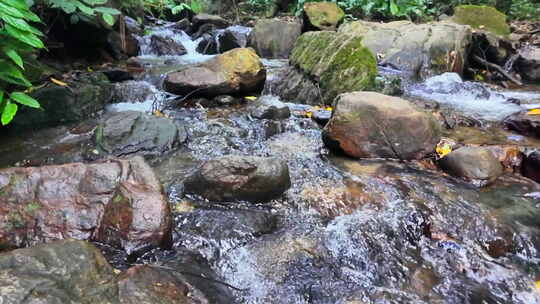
column 158, row 113
column 534, row 112
column 309, row 114
column 315, row 108
column 537, row 284
column 117, row 271
column 58, row 82
column 250, row 98
column 89, row 69
column 443, row 149
column 328, row 108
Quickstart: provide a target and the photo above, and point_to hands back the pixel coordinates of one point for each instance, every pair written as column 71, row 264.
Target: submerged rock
column 483, row 18
column 41, row 204
column 254, row 179
column 372, row 125
column 270, row 107
column 323, row 15
column 274, row 38
column 132, row 132
column 475, row 164
column 236, row 71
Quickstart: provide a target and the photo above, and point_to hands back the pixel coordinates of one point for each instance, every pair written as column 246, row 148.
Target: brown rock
column 41, row 204
column 474, row 164
column 372, row 125
column 235, row 71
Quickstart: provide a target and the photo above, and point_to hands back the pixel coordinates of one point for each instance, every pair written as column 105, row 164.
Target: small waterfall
column 178, row 36
column 137, row 95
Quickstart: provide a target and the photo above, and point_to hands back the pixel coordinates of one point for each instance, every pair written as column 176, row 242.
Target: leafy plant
column 85, row 9
column 161, row 7
column 18, row 38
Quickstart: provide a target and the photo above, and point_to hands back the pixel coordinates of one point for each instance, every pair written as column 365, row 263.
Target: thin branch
column 499, row 69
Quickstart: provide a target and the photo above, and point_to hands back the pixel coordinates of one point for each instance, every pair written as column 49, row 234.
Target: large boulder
column 372, row 125
column 41, row 204
column 79, row 100
column 274, row 38
column 236, row 71
column 233, row 37
column 475, row 164
column 66, row 271
column 483, row 18
column 323, row 15
column 132, row 132
column 230, row 178
column 338, row 63
column 529, row 63
column 424, row 49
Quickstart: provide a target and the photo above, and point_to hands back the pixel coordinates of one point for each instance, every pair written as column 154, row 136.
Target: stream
column 347, row 231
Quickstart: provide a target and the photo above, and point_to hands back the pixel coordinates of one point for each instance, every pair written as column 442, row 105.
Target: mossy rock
column 482, row 17
column 323, row 15
column 339, row 63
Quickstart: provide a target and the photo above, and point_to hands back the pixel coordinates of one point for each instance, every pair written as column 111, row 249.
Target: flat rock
column 475, row 164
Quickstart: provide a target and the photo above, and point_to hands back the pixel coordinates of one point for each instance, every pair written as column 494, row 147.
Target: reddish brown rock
column 41, row 204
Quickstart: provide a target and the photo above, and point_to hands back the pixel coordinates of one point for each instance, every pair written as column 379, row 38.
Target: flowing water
column 347, row 231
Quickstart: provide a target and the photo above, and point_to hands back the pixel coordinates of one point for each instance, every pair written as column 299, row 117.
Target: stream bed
column 347, row 231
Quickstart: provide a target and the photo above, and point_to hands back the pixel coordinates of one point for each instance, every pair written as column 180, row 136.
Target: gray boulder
column 274, row 38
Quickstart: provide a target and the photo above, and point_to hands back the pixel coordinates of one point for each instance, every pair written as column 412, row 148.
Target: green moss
column 32, row 207
column 340, row 63
column 324, row 15
column 482, row 17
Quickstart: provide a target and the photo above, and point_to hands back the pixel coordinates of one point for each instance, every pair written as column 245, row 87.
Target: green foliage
column 85, row 9
column 174, row 7
column 18, row 38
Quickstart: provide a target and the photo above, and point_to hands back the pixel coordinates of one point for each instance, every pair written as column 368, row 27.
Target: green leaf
column 12, row 74
column 84, row 8
column 24, row 99
column 394, row 9
column 6, row 9
column 9, row 112
column 107, row 10
column 13, row 55
column 21, row 5
column 20, row 24
column 94, row 2
column 1, row 97
column 26, row 37
column 74, row 19
column 109, row 19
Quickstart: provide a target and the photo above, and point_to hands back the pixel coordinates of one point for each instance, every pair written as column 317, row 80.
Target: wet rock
column 444, row 46
column 524, row 124
column 333, row 63
column 166, row 46
column 225, row 100
column 137, row 217
column 118, row 75
column 274, row 38
column 372, row 125
column 233, row 37
column 132, row 132
column 475, row 164
column 236, row 71
column 159, row 285
column 322, row 116
column 529, row 63
column 482, row 18
column 531, row 166
column 292, row 85
column 207, row 45
column 324, row 16
column 183, row 25
column 80, row 100
column 41, row 204
column 214, row 20
column 254, row 179
column 122, row 47
column 270, row 107
column 66, row 271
